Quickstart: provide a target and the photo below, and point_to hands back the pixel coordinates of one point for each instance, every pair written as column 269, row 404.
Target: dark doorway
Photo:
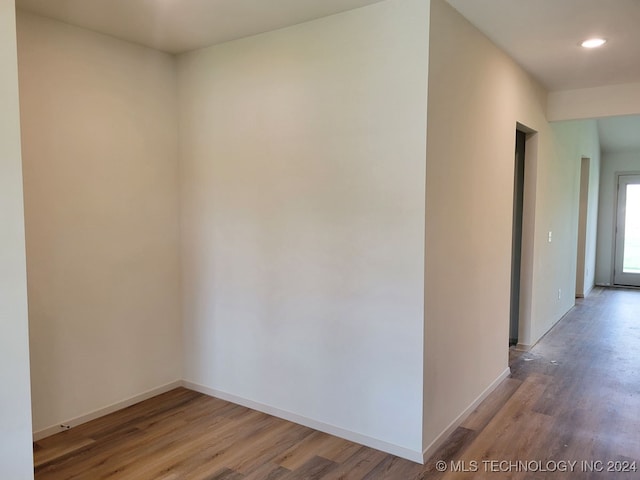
column 516, row 241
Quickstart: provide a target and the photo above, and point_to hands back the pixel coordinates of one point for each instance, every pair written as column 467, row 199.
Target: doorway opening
column 516, row 239
column 582, row 227
column 627, row 246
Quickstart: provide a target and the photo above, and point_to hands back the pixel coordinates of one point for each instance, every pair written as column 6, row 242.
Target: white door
column 627, row 255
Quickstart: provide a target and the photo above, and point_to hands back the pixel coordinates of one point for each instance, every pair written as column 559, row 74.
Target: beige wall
column 302, row 174
column 476, row 96
column 99, row 135
column 16, row 460
column 612, row 164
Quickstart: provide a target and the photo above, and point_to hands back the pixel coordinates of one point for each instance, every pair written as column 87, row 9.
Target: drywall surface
column 588, row 103
column 99, row 137
column 302, row 187
column 557, row 214
column 613, row 163
column 477, row 94
column 16, row 460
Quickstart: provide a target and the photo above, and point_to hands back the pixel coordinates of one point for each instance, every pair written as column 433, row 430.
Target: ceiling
column 177, row 26
column 618, row 134
column 543, row 37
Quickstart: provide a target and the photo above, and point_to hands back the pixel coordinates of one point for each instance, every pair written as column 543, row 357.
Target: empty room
column 288, row 239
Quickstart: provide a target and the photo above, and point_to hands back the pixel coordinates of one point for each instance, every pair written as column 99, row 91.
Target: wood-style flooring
column 574, row 397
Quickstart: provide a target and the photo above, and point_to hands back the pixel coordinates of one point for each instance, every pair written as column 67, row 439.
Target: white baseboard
column 114, row 407
column 440, row 439
column 414, row 456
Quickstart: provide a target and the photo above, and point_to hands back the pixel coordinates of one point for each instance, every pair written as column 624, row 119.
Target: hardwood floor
column 575, row 397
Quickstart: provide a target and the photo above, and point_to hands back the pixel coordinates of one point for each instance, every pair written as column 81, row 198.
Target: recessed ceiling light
column 593, row 42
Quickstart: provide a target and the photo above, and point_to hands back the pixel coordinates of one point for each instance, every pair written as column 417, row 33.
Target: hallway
column 572, row 403
column 574, row 397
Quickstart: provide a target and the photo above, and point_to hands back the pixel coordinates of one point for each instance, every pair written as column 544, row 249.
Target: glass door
column 627, row 256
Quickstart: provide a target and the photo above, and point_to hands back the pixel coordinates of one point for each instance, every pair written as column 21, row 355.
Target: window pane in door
column 631, row 263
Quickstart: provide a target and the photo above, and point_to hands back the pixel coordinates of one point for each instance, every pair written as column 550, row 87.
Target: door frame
column 619, row 278
column 516, row 235
column 528, row 236
column 583, row 219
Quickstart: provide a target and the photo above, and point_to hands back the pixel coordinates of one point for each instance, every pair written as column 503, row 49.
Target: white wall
column 302, row 174
column 612, row 164
column 16, row 461
column 99, row 138
column 309, row 287
column 476, row 96
column 595, row 102
column 576, row 139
